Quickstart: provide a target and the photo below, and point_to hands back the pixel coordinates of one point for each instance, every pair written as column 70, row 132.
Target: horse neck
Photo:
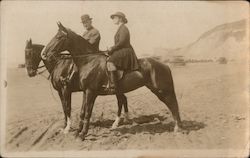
column 79, row 46
column 49, row 65
column 80, row 49
column 76, row 52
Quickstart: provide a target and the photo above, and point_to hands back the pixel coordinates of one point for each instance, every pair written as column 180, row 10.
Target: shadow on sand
column 149, row 124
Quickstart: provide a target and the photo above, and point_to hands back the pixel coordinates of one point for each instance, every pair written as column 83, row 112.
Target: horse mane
column 80, row 39
column 38, row 45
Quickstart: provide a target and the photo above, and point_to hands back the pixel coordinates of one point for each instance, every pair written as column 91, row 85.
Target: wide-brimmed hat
column 120, row 14
column 85, row 18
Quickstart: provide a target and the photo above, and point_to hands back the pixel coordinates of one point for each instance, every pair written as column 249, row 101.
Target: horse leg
column 125, row 105
column 65, row 96
column 122, row 102
column 64, row 108
column 82, row 113
column 68, row 111
column 118, row 117
column 90, row 100
column 169, row 99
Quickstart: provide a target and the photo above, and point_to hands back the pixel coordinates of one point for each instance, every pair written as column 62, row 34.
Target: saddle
column 120, row 73
column 73, row 69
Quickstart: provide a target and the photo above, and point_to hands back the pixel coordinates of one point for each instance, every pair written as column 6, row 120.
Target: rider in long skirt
column 122, row 55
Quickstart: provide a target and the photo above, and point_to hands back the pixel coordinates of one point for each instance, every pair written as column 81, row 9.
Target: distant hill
column 227, row 40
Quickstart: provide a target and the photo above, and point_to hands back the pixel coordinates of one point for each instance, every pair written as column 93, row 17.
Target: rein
column 41, row 66
column 69, row 56
column 28, row 65
column 41, row 72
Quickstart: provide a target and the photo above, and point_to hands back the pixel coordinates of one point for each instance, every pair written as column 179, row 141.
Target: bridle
column 31, row 64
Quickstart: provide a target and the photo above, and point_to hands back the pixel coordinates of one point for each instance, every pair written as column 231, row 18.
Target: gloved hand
column 106, row 53
column 110, row 52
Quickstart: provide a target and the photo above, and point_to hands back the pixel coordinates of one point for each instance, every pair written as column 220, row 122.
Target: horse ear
column 27, row 42
column 58, row 24
column 61, row 27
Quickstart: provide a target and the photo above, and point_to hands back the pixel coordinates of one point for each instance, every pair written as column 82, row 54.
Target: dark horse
column 59, row 70
column 92, row 75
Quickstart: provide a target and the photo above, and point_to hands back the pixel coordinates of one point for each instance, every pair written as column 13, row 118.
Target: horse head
column 65, row 40
column 32, row 57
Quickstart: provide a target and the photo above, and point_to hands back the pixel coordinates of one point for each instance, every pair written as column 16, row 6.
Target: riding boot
column 73, row 70
column 113, row 82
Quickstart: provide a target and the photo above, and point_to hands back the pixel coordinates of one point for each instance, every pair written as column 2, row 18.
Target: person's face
column 87, row 24
column 116, row 20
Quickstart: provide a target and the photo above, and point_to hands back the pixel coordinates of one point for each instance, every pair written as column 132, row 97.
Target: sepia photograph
column 125, row 79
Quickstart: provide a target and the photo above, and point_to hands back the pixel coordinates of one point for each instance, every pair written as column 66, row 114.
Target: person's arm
column 123, row 37
column 95, row 36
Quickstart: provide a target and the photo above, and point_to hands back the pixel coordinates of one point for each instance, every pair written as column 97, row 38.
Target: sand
column 212, row 99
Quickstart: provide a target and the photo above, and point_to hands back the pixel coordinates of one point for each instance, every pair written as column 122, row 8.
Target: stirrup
column 108, row 88
column 112, row 90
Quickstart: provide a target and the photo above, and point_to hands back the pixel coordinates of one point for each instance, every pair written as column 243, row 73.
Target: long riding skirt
column 124, row 59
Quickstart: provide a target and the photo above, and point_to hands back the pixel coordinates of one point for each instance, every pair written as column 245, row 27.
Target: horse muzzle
column 32, row 73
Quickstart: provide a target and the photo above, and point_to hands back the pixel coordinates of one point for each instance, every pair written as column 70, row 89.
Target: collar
column 90, row 28
column 118, row 26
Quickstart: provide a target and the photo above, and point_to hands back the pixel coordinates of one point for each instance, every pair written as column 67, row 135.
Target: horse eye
column 28, row 53
column 58, row 37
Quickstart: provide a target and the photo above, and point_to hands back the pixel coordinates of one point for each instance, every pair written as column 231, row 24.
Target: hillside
column 227, row 40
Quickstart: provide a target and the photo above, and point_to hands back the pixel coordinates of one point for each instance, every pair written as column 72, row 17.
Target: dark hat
column 120, row 14
column 85, row 18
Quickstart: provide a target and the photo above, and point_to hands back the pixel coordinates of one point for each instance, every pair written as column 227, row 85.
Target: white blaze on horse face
column 67, row 128
column 42, row 54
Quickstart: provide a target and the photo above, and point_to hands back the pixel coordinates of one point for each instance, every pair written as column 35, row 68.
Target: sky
column 152, row 24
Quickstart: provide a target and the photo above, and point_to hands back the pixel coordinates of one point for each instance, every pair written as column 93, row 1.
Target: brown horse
column 59, row 70
column 92, row 75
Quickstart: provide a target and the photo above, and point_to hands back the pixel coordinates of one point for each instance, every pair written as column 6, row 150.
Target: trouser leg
column 112, row 77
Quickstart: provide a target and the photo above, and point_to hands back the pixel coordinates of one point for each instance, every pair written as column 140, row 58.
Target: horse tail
column 161, row 76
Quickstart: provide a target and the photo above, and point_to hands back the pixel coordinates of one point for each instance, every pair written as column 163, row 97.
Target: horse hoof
column 114, row 126
column 134, row 123
column 78, row 139
column 65, row 131
column 180, row 130
column 126, row 121
column 76, row 135
column 176, row 129
column 82, row 137
column 61, row 130
column 183, row 131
